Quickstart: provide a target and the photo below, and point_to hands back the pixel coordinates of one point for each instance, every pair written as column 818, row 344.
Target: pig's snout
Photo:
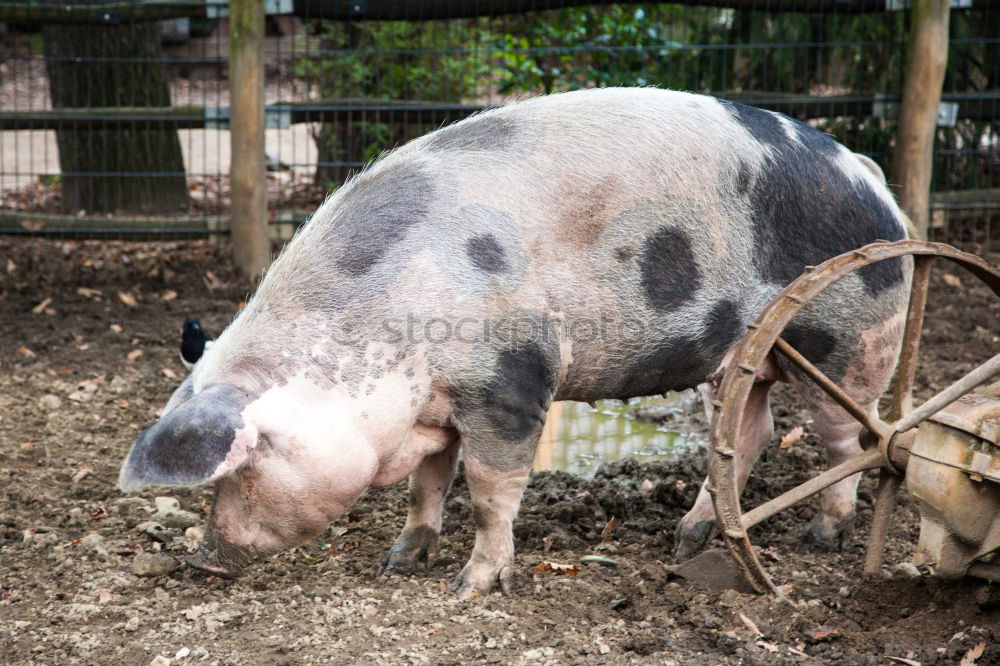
column 220, row 558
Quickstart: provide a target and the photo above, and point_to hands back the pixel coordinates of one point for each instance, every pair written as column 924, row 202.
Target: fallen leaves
column 25, row 352
column 83, row 473
column 116, row 328
column 133, row 355
column 168, row 373
column 168, row 295
column 87, row 292
column 791, row 438
column 40, row 308
column 952, row 280
column 555, row 569
column 751, row 625
column 974, row 653
column 127, row 298
column 609, row 528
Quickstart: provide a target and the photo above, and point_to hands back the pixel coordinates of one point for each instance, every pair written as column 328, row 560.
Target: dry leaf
column 973, row 654
column 751, row 625
column 102, row 512
column 952, row 280
column 609, row 527
column 822, row 634
column 40, row 308
column 169, row 295
column 127, row 298
column 770, row 647
column 87, row 292
column 792, row 437
column 555, row 569
column 82, row 474
column 117, row 328
column 25, row 352
column 168, row 373
column 27, row 446
column 134, row 354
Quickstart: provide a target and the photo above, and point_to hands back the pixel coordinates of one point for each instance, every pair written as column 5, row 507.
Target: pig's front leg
column 496, row 496
column 428, row 486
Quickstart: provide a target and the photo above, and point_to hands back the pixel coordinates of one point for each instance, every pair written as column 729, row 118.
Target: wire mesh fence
column 116, row 123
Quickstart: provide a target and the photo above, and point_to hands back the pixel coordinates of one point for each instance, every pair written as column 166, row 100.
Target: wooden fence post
column 926, row 62
column 247, row 174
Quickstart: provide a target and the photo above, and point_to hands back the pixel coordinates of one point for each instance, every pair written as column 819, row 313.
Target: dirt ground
column 89, row 355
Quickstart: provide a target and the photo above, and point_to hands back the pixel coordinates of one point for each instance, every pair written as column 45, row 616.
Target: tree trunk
column 124, row 168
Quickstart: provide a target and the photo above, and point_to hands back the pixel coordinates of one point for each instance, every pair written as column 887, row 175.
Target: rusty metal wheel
column 885, row 443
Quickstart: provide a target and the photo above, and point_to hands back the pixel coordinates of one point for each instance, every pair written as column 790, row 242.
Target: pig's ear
column 198, row 441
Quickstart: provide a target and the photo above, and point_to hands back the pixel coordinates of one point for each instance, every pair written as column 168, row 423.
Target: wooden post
column 928, row 56
column 248, row 177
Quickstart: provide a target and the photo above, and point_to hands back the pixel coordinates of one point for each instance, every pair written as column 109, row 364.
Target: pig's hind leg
column 868, row 369
column 418, row 541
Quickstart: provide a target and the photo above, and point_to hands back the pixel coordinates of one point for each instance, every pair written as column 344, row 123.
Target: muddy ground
column 88, row 356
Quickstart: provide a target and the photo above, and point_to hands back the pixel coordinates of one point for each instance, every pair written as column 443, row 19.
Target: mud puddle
column 578, row 438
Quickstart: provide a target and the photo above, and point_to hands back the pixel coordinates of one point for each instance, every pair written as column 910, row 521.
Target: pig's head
column 282, row 466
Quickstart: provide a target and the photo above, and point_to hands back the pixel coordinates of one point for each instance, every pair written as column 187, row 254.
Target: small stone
column 160, row 660
column 132, row 624
column 196, row 533
column 906, row 570
column 156, row 531
column 117, row 384
column 50, row 402
column 124, row 505
column 153, row 564
column 183, row 652
column 166, row 504
column 491, row 643
column 94, row 542
column 180, row 520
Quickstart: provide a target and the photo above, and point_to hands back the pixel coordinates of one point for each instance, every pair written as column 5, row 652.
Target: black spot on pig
column 670, row 275
column 486, row 253
column 487, row 132
column 744, row 177
column 723, row 328
column 820, row 347
column 505, row 416
column 376, row 213
column 673, row 365
column 188, row 444
column 807, row 210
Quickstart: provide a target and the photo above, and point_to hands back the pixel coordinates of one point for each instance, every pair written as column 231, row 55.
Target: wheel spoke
column 868, row 460
column 902, row 397
column 870, row 421
column 885, row 498
column 980, row 375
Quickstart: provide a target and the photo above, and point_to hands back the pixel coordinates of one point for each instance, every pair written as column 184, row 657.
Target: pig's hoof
column 818, row 534
column 476, row 580
column 692, row 540
column 414, row 546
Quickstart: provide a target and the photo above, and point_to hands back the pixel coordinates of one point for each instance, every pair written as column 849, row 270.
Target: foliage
column 385, row 60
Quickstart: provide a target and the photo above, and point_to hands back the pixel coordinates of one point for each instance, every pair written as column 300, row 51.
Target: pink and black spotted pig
column 597, row 244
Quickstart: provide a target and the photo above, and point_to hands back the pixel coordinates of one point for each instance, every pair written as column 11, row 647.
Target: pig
column 604, row 243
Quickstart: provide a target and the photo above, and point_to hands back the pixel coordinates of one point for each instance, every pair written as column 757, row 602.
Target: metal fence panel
column 118, row 126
